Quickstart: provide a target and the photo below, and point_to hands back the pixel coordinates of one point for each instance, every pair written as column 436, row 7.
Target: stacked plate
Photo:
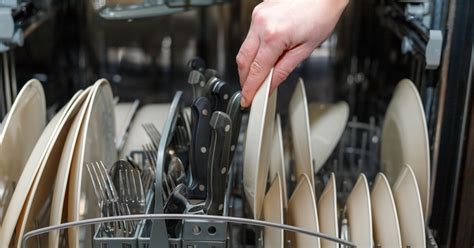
column 391, row 214
column 42, row 166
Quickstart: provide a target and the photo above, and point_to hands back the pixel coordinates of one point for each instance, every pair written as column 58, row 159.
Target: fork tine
column 109, row 182
column 122, row 193
column 138, row 185
column 151, row 155
column 101, row 192
column 155, row 131
column 100, row 182
column 129, row 186
column 108, row 193
column 98, row 193
column 147, row 130
column 152, row 133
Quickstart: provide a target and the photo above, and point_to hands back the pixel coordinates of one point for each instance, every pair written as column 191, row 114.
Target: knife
column 201, row 116
column 207, row 91
column 197, row 80
column 218, row 162
column 234, row 111
column 210, row 73
column 197, row 63
column 221, row 91
column 176, row 204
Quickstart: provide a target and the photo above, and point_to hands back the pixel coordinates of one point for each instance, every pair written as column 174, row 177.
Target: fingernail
column 243, row 102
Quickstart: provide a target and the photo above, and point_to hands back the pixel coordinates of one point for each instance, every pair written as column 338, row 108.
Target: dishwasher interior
column 148, row 51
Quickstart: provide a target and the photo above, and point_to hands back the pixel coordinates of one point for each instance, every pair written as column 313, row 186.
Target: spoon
column 176, row 169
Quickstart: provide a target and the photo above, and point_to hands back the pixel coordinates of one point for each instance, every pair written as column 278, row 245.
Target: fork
column 131, row 189
column 152, row 133
column 108, row 201
column 97, row 184
column 151, row 156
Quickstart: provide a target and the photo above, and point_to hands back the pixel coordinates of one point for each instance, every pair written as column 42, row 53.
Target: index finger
column 247, row 54
column 259, row 68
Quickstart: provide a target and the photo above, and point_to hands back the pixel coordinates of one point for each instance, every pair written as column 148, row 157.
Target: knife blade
column 218, row 162
column 221, row 91
column 201, row 130
column 234, row 110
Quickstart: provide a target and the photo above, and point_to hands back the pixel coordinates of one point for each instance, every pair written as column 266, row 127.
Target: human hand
column 282, row 34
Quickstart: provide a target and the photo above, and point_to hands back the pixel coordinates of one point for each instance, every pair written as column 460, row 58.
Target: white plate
column 25, row 183
column 58, row 210
column 410, row 214
column 20, row 196
column 273, row 212
column 326, row 125
column 384, row 214
column 96, row 143
column 405, row 139
column 302, row 212
column 299, row 121
column 35, row 212
column 359, row 214
column 277, row 164
column 22, row 129
column 137, row 137
column 327, row 212
column 258, row 145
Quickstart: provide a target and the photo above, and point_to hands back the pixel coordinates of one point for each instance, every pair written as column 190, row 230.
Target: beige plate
column 35, row 212
column 150, row 113
column 277, row 164
column 384, row 214
column 359, row 214
column 257, row 146
column 62, row 176
column 405, row 139
column 326, row 125
column 302, row 212
column 299, row 121
column 410, row 214
column 327, row 212
column 96, row 143
column 22, row 129
column 273, row 212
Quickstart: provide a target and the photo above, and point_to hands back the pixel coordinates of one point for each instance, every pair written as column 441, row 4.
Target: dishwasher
column 121, row 126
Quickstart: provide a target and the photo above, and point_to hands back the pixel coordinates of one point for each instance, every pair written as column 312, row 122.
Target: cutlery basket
column 194, row 233
column 106, row 242
column 100, row 241
column 189, row 232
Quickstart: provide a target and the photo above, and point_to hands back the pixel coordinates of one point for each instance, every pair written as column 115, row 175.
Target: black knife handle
column 207, row 91
column 197, row 63
column 201, row 131
column 209, row 73
column 218, row 162
column 222, row 93
column 234, row 110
